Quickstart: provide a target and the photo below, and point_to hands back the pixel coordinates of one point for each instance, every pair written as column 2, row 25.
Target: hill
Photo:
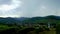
column 46, row 19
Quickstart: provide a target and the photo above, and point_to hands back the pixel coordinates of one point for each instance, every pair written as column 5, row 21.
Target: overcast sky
column 29, row 8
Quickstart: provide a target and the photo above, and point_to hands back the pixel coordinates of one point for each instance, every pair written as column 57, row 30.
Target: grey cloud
column 5, row 2
column 32, row 7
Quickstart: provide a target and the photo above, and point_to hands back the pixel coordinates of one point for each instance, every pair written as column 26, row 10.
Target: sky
column 29, row 8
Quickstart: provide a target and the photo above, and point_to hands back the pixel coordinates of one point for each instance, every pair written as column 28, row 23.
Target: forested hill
column 46, row 19
column 51, row 18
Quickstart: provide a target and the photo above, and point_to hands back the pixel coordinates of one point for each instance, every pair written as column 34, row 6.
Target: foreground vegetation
column 15, row 29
